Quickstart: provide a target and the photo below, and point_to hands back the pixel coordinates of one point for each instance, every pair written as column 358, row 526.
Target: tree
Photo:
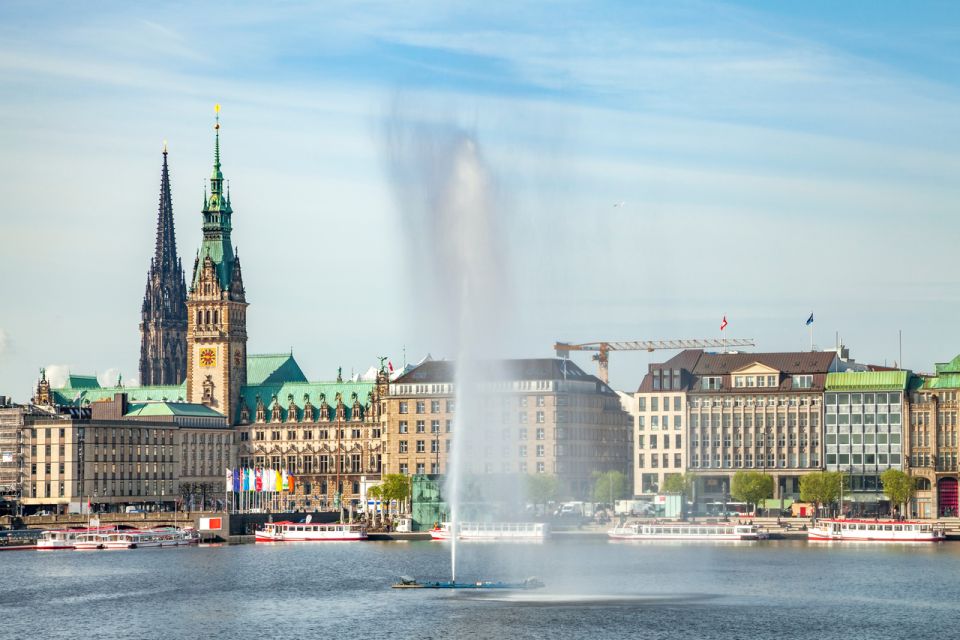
column 542, row 488
column 679, row 483
column 395, row 486
column 751, row 487
column 898, row 487
column 376, row 493
column 821, row 488
column 609, row 486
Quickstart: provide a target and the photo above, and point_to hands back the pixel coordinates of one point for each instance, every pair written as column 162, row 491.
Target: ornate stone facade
column 217, row 307
column 163, row 325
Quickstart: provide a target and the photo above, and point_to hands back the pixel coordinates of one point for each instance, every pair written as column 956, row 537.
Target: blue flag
column 236, row 479
column 810, row 319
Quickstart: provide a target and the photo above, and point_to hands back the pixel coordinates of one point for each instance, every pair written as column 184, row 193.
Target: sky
column 660, row 166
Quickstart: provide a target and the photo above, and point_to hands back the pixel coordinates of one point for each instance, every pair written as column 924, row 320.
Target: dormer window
column 712, row 383
column 803, row 382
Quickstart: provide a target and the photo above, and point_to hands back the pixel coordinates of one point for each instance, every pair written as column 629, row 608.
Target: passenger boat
column 687, row 531
column 145, row 538
column 92, row 539
column 876, row 531
column 60, row 538
column 19, row 539
column 287, row 531
column 515, row 531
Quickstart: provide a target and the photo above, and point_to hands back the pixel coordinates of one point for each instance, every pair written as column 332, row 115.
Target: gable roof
column 790, row 362
column 298, row 390
column 272, row 368
column 81, row 382
column 685, row 361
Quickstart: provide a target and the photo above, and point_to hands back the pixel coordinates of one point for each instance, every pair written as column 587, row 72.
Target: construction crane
column 603, row 349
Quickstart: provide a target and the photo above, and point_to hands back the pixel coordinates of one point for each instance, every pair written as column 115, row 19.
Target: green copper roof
column 81, row 382
column 68, row 395
column 942, row 381
column 949, row 367
column 273, row 368
column 868, row 380
column 185, row 409
column 317, row 392
column 217, row 213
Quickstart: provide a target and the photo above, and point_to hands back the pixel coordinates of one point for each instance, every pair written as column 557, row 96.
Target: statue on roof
column 382, row 359
column 339, row 374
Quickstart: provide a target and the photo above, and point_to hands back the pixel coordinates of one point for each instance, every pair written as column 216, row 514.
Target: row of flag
column 258, row 479
column 724, row 323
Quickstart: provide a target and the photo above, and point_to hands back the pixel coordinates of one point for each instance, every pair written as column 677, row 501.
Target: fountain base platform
column 410, row 583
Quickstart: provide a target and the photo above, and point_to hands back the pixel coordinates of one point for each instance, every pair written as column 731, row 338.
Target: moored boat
column 92, row 539
column 19, row 539
column 687, row 531
column 875, row 531
column 517, row 531
column 287, row 531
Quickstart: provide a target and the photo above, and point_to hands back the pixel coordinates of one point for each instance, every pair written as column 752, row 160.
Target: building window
column 641, row 403
column 641, row 461
column 540, row 417
column 434, row 406
column 434, row 426
column 421, row 447
column 421, row 426
column 539, row 450
column 522, row 451
column 404, row 468
column 403, row 428
column 403, row 446
column 541, row 433
column 403, row 406
column 421, row 406
column 541, row 468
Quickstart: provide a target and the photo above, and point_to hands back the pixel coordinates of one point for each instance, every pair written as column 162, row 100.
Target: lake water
column 595, row 589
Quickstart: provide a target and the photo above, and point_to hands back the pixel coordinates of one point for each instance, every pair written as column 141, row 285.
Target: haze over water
column 768, row 590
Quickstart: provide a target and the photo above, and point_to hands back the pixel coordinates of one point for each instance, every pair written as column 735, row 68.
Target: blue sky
column 774, row 159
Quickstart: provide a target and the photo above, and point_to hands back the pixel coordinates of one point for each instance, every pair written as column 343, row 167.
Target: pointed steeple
column 217, row 220
column 164, row 313
column 165, row 253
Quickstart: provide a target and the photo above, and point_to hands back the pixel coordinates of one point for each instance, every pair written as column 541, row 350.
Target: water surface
column 594, row 589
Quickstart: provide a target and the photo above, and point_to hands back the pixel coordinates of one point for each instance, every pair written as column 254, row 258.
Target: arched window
column 923, row 484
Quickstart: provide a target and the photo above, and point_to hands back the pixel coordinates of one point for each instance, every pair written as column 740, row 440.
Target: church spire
column 164, row 313
column 165, row 253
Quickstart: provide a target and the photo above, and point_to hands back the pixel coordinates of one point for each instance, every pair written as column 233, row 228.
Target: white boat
column 287, row 531
column 686, row 531
column 875, row 531
column 145, row 538
column 517, row 531
column 92, row 539
column 59, row 538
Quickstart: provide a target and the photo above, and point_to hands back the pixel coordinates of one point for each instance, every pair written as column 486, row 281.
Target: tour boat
column 144, row 538
column 686, row 531
column 515, row 531
column 92, row 539
column 60, row 538
column 875, row 531
column 287, row 531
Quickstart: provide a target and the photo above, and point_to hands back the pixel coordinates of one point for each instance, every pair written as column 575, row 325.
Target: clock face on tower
column 208, row 357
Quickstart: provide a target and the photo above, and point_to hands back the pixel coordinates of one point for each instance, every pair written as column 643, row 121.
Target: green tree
column 376, row 493
column 395, row 486
column 821, row 488
column 542, row 488
column 679, row 483
column 609, row 486
column 751, row 487
column 898, row 487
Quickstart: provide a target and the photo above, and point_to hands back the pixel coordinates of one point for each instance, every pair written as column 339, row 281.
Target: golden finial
column 164, row 146
column 216, row 110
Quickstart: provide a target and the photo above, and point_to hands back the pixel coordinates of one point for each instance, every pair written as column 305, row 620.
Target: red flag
column 290, row 482
column 723, row 325
column 89, row 506
column 259, row 480
column 390, row 364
